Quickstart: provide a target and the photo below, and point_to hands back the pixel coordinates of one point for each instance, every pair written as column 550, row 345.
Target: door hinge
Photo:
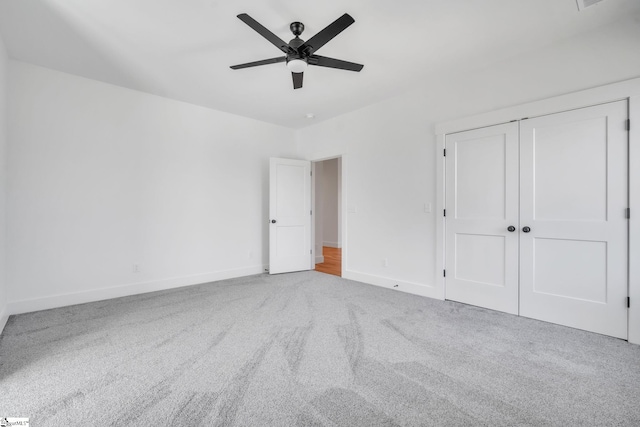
column 311, row 251
column 444, row 273
column 628, row 302
column 444, row 152
column 310, row 173
column 628, row 124
column 627, row 213
column 310, row 212
column 444, row 212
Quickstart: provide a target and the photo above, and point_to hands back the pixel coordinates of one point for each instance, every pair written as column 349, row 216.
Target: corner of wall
column 4, row 63
column 634, row 224
column 301, row 148
column 4, row 317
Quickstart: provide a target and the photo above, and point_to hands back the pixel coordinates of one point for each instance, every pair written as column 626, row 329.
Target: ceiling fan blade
column 297, row 80
column 324, row 61
column 256, row 63
column 260, row 29
column 329, row 32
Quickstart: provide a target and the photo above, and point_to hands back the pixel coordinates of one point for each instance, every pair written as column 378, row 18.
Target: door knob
column 511, row 228
column 273, row 221
column 526, row 229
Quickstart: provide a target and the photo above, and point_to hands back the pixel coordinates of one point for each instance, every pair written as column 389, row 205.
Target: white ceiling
column 182, row 49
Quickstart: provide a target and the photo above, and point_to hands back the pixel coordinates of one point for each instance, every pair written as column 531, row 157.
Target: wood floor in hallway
column 332, row 261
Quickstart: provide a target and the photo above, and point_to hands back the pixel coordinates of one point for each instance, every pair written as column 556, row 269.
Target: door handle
column 526, row 229
column 511, row 228
column 273, row 221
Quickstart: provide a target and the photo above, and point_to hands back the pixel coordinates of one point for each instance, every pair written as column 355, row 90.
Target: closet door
column 573, row 199
column 481, row 205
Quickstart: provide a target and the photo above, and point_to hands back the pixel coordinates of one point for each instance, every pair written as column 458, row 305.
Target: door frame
column 628, row 90
column 343, row 207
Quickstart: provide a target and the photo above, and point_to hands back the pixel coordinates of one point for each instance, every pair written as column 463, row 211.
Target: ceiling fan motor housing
column 296, row 43
column 295, row 54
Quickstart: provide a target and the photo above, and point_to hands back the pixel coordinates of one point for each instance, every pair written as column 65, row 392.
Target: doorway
column 328, row 216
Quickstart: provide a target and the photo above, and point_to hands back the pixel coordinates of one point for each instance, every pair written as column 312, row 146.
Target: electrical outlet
column 136, row 268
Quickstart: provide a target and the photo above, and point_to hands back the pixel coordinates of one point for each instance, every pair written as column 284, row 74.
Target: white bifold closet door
column 573, row 197
column 561, row 182
column 481, row 205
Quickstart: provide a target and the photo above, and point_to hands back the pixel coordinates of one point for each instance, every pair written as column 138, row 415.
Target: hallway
column 332, row 261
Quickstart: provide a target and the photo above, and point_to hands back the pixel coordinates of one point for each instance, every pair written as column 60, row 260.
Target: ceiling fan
column 298, row 53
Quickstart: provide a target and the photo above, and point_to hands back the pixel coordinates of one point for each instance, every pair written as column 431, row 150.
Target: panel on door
column 289, row 215
column 573, row 265
column 481, row 204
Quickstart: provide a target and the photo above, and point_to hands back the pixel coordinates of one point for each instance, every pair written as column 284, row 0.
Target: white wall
column 4, row 63
column 391, row 147
column 389, row 175
column 102, row 178
column 330, row 199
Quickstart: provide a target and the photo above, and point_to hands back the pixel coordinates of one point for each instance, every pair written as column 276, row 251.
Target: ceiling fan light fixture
column 297, row 65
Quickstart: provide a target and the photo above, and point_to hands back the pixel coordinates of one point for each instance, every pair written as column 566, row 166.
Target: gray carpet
column 308, row 349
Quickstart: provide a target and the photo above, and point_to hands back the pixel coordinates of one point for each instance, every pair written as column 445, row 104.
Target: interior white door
column 481, row 204
column 573, row 198
column 289, row 215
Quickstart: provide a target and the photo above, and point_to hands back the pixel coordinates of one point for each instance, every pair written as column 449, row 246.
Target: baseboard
column 397, row 285
column 4, row 316
column 63, row 300
column 337, row 245
column 319, row 259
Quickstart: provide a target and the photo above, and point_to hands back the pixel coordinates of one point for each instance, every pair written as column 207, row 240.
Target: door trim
column 343, row 205
column 627, row 90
